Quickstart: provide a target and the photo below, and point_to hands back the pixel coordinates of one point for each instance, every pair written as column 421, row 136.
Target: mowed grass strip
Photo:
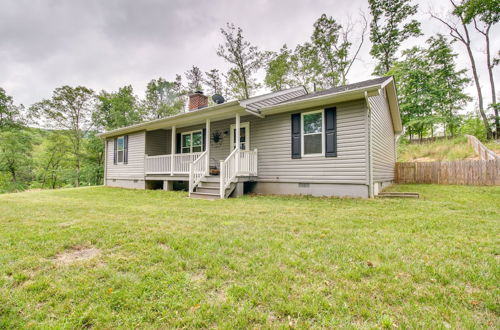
column 108, row 257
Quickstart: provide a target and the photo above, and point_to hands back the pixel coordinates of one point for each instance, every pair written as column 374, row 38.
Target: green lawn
column 163, row 260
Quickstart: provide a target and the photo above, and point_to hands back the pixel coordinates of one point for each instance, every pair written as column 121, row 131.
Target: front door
column 244, row 136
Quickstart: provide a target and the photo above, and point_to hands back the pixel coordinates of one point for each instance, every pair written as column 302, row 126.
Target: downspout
column 370, row 163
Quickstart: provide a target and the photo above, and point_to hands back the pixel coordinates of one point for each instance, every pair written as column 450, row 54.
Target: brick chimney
column 197, row 101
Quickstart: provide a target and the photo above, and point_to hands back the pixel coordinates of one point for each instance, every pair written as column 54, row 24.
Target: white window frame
column 191, row 146
column 245, row 125
column 123, row 150
column 322, row 111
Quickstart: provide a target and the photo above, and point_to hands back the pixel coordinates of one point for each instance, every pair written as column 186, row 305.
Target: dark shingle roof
column 339, row 89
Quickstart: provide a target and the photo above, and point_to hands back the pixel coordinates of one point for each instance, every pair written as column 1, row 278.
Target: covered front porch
column 194, row 152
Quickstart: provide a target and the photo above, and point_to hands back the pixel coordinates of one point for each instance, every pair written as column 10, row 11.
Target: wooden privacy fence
column 466, row 172
column 480, row 149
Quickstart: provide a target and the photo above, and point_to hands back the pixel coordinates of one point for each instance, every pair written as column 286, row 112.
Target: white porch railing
column 239, row 162
column 157, row 164
column 162, row 164
column 197, row 170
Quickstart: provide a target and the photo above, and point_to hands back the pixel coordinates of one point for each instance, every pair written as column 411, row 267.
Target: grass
column 162, row 260
column 453, row 149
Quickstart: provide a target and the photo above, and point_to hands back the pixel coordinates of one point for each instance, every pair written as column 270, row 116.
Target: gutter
column 370, row 162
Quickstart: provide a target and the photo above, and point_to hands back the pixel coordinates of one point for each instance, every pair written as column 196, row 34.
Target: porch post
column 207, row 147
column 237, row 137
column 172, row 151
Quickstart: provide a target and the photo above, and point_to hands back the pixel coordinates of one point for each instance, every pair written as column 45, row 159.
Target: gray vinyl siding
column 135, row 167
column 158, row 142
column 272, row 137
column 383, row 139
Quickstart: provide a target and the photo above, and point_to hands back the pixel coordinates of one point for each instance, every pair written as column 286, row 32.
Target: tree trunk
column 492, row 82
column 478, row 88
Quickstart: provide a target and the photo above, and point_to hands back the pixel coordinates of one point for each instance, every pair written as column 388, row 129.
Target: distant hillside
column 453, row 149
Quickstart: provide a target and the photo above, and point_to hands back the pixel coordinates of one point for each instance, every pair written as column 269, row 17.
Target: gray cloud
column 107, row 44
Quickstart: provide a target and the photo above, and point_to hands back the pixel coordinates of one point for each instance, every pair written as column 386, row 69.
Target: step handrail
column 228, row 171
column 197, row 170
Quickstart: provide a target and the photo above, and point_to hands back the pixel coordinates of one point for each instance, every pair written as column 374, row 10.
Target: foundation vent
column 303, row 185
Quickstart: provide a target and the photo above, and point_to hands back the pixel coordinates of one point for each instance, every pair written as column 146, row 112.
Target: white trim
column 232, row 128
column 322, row 111
column 123, row 150
column 191, row 146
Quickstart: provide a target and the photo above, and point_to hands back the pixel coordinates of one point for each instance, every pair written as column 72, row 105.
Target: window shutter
column 296, row 154
column 125, row 149
column 115, row 150
column 331, row 132
column 178, row 143
column 204, row 137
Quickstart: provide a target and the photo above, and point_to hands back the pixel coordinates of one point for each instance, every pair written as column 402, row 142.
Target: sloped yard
column 106, row 258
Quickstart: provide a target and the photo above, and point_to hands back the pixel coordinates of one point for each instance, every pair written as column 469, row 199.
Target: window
column 312, row 133
column 120, row 149
column 192, row 142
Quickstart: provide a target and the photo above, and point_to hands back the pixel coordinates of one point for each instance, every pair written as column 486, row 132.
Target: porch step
column 210, row 190
column 204, row 195
column 210, row 178
column 207, row 184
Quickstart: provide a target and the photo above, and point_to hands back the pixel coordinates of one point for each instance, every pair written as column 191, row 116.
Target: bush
column 473, row 125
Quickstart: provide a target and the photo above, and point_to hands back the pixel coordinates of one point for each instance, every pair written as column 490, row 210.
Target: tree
column 214, row 82
column 306, row 67
column 117, row 109
column 448, row 82
column 389, row 28
column 430, row 87
column 460, row 31
column 333, row 43
column 415, row 91
column 54, row 160
column 16, row 146
column 278, row 70
column 484, row 14
column 163, row 98
column 10, row 114
column 93, row 161
column 70, row 108
column 244, row 58
column 194, row 78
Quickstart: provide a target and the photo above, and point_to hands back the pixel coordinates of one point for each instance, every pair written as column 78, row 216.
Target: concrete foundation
column 313, row 189
column 125, row 183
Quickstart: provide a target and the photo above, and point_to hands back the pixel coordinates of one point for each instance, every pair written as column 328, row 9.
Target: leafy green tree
column 10, row 114
column 163, row 98
column 333, row 44
column 16, row 147
column 448, row 83
column 390, row 26
column 278, row 70
column 54, row 160
column 306, row 68
column 93, row 161
column 415, row 91
column 117, row 109
column 70, row 109
column 194, row 77
column 244, row 58
column 214, row 82
column 484, row 14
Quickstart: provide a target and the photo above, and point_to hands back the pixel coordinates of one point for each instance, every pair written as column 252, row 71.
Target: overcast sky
column 106, row 44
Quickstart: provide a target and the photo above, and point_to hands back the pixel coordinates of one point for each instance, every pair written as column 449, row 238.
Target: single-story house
column 336, row 142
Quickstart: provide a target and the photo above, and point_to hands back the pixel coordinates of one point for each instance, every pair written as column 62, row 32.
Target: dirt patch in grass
column 77, row 253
